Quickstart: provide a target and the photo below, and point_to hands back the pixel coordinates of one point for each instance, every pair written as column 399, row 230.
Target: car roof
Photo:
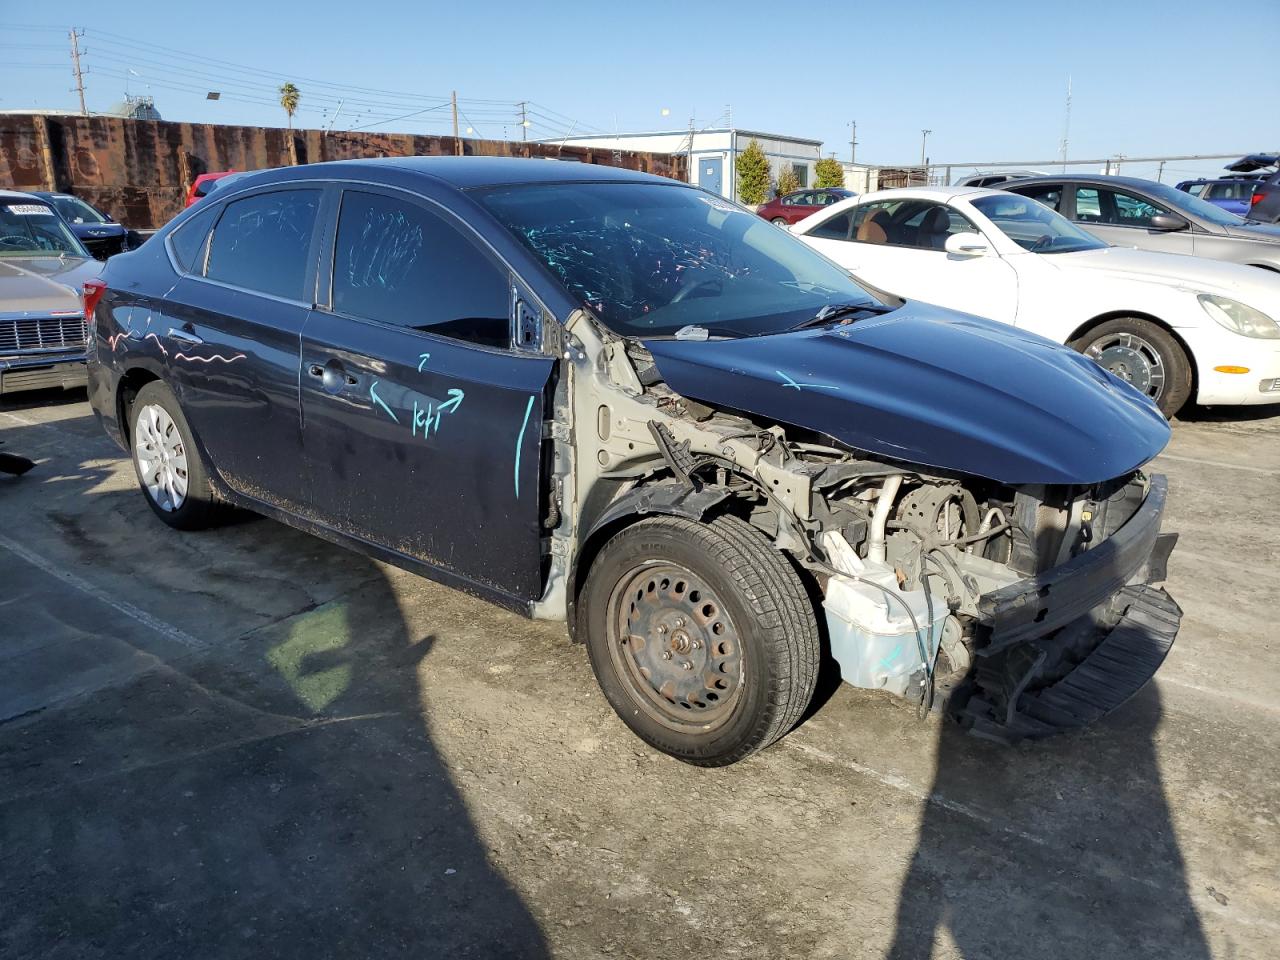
column 18, row 196
column 940, row 193
column 464, row 173
column 1137, row 183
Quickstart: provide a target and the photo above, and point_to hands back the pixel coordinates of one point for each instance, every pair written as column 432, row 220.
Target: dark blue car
column 98, row 231
column 617, row 400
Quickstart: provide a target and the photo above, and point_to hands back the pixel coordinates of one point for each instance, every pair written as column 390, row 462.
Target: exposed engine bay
column 1020, row 610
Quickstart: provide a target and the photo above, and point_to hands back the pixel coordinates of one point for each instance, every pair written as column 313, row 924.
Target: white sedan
column 1171, row 325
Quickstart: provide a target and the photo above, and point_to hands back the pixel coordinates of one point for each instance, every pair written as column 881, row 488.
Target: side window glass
column 1088, row 207
column 187, row 242
column 1049, row 195
column 929, row 227
column 262, row 242
column 399, row 263
column 1133, row 211
column 872, row 222
column 834, row 228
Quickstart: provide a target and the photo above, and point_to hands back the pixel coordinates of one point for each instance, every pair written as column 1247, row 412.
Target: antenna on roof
column 1066, row 127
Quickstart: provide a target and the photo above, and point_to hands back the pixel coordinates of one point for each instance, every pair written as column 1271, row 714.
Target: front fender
column 670, row 499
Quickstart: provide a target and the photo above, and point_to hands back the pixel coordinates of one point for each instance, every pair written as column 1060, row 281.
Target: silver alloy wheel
column 1132, row 359
column 161, row 457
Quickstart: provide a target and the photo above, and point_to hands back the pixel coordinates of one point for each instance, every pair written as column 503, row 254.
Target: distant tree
column 289, row 97
column 788, row 181
column 753, row 174
column 829, row 173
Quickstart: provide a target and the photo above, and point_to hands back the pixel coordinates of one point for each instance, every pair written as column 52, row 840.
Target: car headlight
column 1238, row 318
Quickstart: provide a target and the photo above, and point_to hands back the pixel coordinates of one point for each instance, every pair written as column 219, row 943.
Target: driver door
column 422, row 422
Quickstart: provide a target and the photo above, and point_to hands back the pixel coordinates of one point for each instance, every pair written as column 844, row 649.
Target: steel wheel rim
column 161, row 457
column 1132, row 359
column 673, row 643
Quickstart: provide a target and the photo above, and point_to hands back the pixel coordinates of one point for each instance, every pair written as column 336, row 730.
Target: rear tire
column 1146, row 355
column 779, row 221
column 167, row 461
column 702, row 637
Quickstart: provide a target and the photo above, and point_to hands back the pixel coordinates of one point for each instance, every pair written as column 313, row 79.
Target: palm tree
column 289, row 97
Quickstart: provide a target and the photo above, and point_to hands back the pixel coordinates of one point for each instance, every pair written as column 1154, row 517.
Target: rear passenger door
column 422, row 422
column 229, row 336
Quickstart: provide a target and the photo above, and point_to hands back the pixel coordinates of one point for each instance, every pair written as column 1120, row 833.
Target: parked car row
column 628, row 404
column 1172, row 326
column 43, row 266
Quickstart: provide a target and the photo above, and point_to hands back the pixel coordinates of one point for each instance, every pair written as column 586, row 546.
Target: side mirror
column 1167, row 222
column 967, row 245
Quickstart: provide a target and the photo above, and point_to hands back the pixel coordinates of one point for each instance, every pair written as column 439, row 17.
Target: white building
column 714, row 151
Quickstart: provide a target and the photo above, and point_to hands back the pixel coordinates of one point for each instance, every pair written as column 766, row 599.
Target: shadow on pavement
column 274, row 794
column 1083, row 860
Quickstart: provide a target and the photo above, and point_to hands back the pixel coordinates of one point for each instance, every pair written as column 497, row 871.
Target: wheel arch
column 1102, row 318
column 612, row 507
column 130, row 383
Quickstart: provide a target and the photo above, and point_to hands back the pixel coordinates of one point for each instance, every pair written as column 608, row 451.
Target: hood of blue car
column 97, row 231
column 935, row 388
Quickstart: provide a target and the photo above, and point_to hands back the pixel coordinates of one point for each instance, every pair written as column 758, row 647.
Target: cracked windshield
column 650, row 260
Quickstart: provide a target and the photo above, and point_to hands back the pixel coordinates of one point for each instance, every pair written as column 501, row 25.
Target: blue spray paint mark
column 888, row 661
column 454, row 401
column 378, row 400
column 528, row 407
column 422, row 362
column 788, row 382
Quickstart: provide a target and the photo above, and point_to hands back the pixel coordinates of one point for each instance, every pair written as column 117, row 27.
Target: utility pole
column 75, row 68
column 1160, row 173
column 689, row 170
column 853, row 141
column 924, row 139
column 457, row 144
column 524, row 119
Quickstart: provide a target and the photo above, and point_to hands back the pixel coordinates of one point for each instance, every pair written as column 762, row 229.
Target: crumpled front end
column 1024, row 614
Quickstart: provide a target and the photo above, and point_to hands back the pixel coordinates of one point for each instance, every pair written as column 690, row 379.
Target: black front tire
column 755, row 590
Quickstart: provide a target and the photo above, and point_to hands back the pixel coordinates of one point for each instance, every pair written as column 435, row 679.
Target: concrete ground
column 250, row 743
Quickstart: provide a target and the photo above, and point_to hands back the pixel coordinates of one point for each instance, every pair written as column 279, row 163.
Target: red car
column 794, row 207
column 202, row 184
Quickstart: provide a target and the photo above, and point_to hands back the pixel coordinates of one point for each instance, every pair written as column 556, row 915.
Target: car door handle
column 333, row 375
column 184, row 336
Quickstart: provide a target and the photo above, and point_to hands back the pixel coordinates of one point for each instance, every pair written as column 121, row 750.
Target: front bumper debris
column 1068, row 646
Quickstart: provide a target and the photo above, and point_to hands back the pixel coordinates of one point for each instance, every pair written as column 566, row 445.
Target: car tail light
column 1256, row 198
column 93, row 291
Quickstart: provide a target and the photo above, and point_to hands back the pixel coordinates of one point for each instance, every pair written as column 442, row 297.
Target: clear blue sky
column 989, row 79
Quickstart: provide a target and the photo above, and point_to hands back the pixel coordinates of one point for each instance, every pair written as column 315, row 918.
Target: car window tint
column 187, row 242
column 834, row 228
column 921, row 224
column 1088, row 207
column 399, row 263
column 261, row 242
column 871, row 221
column 1048, row 194
column 1131, row 211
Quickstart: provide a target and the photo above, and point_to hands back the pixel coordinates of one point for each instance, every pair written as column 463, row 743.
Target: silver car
column 42, row 271
column 1128, row 212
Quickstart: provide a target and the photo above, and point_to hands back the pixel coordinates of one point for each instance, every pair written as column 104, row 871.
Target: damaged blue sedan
column 619, row 401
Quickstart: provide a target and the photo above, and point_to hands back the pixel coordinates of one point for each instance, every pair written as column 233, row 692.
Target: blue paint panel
column 936, row 388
